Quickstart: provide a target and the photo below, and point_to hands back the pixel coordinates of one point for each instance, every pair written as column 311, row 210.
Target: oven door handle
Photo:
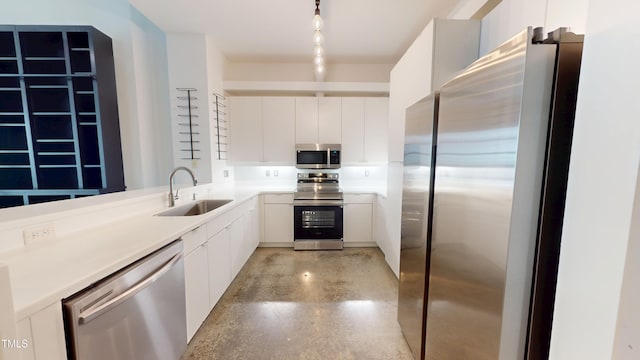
column 318, row 203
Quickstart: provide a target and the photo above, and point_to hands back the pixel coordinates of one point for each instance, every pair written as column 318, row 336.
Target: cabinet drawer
column 359, row 198
column 286, row 198
column 194, row 238
column 218, row 224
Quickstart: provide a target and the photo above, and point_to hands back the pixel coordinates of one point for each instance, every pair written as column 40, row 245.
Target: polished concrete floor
column 306, row 305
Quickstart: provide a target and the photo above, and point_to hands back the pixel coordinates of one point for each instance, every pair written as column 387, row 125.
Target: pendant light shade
column 318, row 41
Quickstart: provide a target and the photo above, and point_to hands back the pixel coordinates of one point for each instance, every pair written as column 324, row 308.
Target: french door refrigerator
column 485, row 171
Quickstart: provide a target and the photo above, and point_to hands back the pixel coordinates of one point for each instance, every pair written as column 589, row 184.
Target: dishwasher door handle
column 93, row 313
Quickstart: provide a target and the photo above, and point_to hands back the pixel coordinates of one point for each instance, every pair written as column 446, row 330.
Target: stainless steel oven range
column 317, row 212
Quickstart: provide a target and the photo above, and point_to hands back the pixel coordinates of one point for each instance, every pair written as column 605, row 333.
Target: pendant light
column 318, row 41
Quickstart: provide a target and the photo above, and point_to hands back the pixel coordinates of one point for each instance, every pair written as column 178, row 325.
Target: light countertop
column 46, row 272
column 49, row 271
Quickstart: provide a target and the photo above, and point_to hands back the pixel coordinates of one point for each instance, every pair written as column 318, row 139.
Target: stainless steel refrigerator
column 485, row 171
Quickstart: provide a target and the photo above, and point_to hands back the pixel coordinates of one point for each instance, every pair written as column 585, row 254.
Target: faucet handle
column 176, row 197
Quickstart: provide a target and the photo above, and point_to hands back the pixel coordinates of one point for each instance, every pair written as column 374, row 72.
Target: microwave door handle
column 328, row 158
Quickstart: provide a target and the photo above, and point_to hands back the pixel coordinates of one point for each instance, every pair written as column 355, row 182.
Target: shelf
column 50, row 75
column 37, row 58
column 15, row 166
column 51, row 113
column 54, row 140
column 48, row 86
column 57, row 166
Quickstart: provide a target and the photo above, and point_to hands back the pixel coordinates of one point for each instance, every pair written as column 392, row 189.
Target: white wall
column 627, row 341
column 602, row 187
column 187, row 59
column 114, row 18
column 196, row 62
column 215, row 69
column 151, row 83
column 366, row 178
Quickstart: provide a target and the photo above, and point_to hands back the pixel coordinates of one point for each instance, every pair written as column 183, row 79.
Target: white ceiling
column 356, row 31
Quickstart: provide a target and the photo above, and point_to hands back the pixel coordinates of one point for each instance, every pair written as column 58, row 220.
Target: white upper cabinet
column 266, row 129
column 329, row 120
column 279, row 123
column 306, row 120
column 353, row 130
column 376, row 122
column 245, row 129
column 318, row 120
column 442, row 50
column 364, row 123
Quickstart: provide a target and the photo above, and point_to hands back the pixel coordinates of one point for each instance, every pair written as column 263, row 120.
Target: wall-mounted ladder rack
column 188, row 133
column 221, row 126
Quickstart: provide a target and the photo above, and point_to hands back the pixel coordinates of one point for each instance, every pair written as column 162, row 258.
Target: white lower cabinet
column 237, row 245
column 219, row 266
column 278, row 220
column 218, row 251
column 40, row 336
column 278, row 224
column 358, row 219
column 23, row 337
column 196, row 285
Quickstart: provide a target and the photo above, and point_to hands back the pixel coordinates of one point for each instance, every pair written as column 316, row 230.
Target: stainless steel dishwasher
column 136, row 313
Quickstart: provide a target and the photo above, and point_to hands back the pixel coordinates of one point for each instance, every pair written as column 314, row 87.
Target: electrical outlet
column 38, row 233
column 275, row 172
column 268, row 173
column 366, row 173
column 225, row 173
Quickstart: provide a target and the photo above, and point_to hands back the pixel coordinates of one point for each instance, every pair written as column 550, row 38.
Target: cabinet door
column 253, row 229
column 237, row 245
column 196, row 286
column 306, row 120
column 376, row 115
column 47, row 329
column 330, row 120
column 23, row 333
column 278, row 223
column 279, row 123
column 245, row 129
column 357, row 222
column 219, row 265
column 353, row 128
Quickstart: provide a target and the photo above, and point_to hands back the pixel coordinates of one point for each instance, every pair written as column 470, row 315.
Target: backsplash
column 286, row 176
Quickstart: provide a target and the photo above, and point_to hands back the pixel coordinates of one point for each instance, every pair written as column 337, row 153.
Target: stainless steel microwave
column 318, row 156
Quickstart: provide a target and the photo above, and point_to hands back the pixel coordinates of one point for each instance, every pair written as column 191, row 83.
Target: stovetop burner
column 318, row 186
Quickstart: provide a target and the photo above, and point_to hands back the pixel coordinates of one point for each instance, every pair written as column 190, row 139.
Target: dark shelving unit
column 59, row 128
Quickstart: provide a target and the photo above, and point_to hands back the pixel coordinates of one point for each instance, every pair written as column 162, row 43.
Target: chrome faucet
column 172, row 198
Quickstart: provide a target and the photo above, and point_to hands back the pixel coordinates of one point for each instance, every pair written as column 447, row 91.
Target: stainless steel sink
column 197, row 208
